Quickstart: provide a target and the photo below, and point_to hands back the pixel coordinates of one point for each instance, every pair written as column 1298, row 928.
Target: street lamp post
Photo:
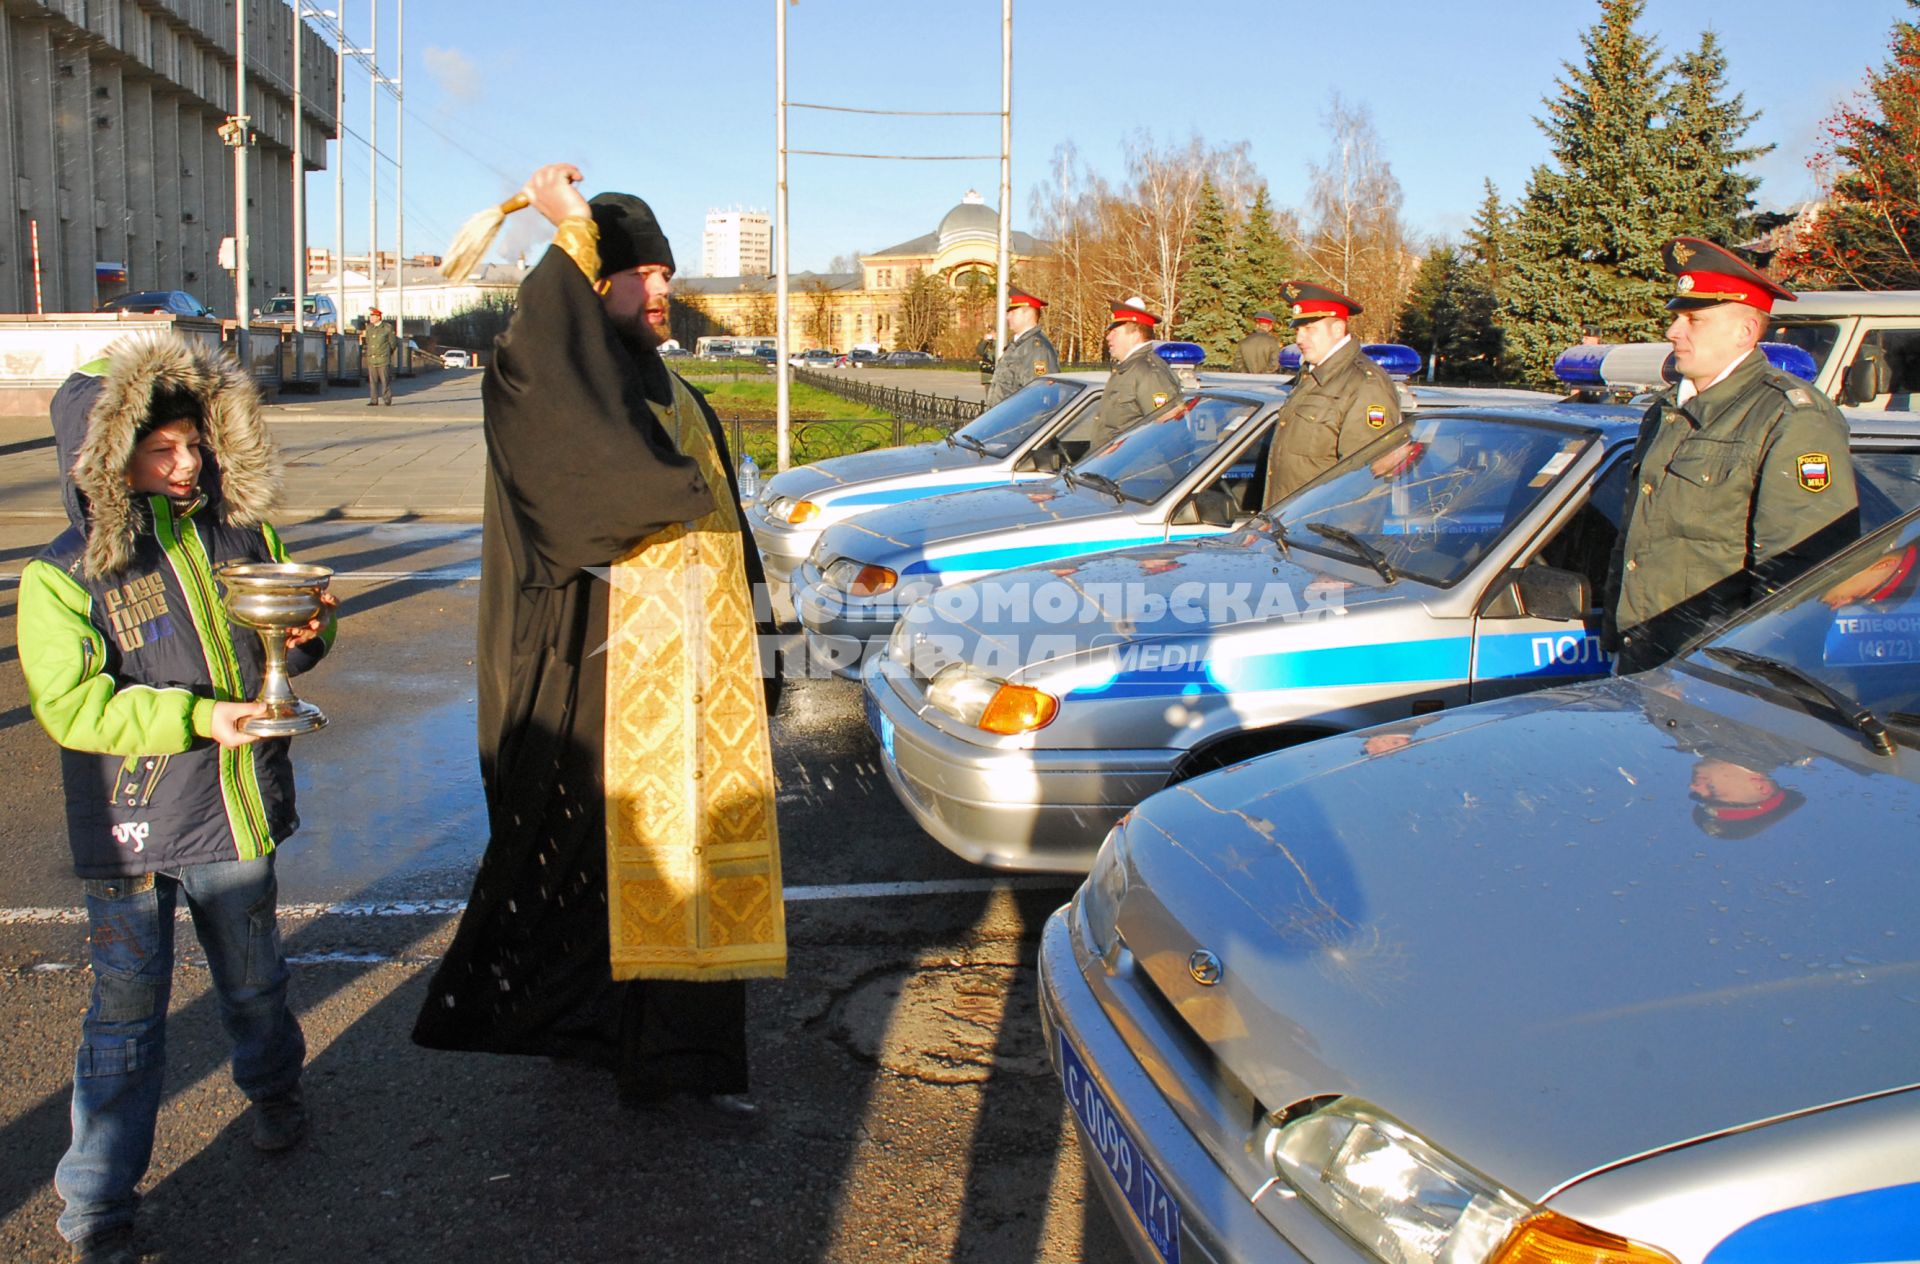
column 237, row 138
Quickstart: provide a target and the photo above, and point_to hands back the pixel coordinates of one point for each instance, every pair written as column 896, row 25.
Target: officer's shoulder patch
column 1040, row 364
column 1376, row 415
column 1160, row 397
column 1800, row 397
column 1815, row 470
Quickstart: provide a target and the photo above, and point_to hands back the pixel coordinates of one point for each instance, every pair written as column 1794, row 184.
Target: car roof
column 1830, row 303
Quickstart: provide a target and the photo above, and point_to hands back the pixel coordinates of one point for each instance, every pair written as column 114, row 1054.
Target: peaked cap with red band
column 1308, row 302
column 1020, row 298
column 1133, row 311
column 1710, row 274
column 1263, row 317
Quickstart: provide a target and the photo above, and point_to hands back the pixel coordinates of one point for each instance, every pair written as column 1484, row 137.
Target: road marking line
column 451, row 908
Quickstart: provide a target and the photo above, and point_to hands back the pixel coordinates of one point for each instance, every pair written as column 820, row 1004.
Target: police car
column 1457, row 559
column 1620, row 972
column 1196, row 468
column 1024, row 438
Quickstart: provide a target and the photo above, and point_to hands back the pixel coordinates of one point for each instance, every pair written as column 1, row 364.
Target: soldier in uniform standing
column 1141, row 382
column 1028, row 354
column 1741, row 477
column 1259, row 351
column 1341, row 401
column 378, row 350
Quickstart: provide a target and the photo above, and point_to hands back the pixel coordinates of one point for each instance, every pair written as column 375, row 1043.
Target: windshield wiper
column 970, row 442
column 1807, row 686
column 1371, row 556
column 1279, row 534
column 1105, row 484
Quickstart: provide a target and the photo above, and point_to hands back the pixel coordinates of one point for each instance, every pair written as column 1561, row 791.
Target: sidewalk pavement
column 423, row 457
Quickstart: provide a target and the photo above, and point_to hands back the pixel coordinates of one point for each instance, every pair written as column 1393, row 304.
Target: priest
column 631, row 883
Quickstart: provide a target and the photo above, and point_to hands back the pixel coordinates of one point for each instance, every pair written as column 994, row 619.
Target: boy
column 133, row 668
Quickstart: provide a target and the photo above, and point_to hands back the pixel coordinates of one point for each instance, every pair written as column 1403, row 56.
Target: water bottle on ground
column 749, row 478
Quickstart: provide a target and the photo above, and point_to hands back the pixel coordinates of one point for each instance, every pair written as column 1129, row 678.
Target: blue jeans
column 118, row 1073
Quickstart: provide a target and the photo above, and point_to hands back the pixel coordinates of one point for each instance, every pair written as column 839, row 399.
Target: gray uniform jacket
column 1142, row 383
column 1028, row 356
column 378, row 343
column 1336, row 408
column 1258, row 352
column 1732, row 495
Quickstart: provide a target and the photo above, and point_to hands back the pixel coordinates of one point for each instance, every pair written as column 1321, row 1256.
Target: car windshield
column 1010, row 423
column 1852, row 624
column 1145, row 461
column 1434, row 494
column 285, row 306
column 1815, row 337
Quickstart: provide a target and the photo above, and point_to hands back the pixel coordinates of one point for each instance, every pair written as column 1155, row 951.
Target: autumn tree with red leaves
column 1868, row 235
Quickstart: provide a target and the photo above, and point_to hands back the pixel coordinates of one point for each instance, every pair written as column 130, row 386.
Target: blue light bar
column 1580, row 366
column 1290, row 358
column 1397, row 360
column 1181, row 355
column 1791, row 359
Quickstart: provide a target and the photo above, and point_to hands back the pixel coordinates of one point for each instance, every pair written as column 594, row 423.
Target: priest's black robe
column 579, row 471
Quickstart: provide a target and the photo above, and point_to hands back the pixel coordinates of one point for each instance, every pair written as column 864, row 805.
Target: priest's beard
column 638, row 331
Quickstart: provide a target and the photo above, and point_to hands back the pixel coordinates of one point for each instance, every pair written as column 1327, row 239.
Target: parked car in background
column 857, row 358
column 165, row 302
column 455, row 358
column 318, row 308
column 895, row 358
column 812, row 358
column 1616, row 972
column 768, row 356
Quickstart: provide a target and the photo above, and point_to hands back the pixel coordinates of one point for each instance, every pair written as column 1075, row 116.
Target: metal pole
column 340, row 190
column 400, row 182
column 242, row 279
column 299, row 190
column 783, row 404
column 373, row 162
column 1006, row 172
column 33, row 227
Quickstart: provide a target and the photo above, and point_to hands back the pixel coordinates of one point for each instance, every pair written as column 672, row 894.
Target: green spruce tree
column 1210, row 296
column 1587, row 236
column 1265, row 263
column 1703, row 130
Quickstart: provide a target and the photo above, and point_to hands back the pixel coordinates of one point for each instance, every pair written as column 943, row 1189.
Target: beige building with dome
column 855, row 308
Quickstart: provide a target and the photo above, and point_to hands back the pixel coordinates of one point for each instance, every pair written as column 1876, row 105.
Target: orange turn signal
column 805, row 511
column 1550, row 1238
column 1018, row 709
column 872, row 581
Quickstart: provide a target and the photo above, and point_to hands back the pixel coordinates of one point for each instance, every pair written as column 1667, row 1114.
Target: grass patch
column 808, row 403
column 818, row 440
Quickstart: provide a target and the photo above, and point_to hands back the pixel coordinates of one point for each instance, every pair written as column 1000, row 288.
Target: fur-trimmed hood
column 95, row 419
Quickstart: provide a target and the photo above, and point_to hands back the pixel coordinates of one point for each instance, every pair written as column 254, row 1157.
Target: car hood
column 1189, row 588
column 868, row 467
column 1516, row 935
column 882, row 535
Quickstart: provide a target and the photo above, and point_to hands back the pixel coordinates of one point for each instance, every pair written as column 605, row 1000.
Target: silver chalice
column 272, row 598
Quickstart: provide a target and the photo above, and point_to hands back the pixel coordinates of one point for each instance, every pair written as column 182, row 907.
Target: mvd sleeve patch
column 1815, row 471
column 1376, row 415
column 1040, row 365
column 1160, row 398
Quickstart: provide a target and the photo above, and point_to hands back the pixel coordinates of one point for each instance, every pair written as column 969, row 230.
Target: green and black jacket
column 122, row 634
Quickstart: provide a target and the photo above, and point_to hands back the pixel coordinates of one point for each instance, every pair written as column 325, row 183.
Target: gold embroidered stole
column 693, row 850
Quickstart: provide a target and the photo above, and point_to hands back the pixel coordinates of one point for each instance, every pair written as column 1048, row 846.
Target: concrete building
column 737, row 243
column 109, row 138
column 845, row 309
column 429, row 296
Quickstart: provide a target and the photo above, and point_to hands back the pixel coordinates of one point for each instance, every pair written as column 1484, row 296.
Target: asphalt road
column 910, row 1112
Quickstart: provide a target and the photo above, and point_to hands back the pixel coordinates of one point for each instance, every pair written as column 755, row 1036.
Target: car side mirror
column 1867, row 378
column 1547, row 592
column 1047, row 457
column 1213, row 507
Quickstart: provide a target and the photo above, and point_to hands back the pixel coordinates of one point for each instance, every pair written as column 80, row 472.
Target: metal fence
column 919, row 407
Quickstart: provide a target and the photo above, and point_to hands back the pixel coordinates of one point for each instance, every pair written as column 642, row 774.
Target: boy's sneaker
column 279, row 1122
column 109, row 1246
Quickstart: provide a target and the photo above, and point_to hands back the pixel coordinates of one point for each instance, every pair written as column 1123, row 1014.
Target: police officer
column 1341, row 401
column 1259, row 351
column 1741, row 477
column 1028, row 354
column 1141, row 382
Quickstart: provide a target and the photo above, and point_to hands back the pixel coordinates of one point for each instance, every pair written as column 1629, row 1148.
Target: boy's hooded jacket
column 123, row 635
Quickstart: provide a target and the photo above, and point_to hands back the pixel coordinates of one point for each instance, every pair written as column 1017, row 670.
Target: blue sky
column 674, row 99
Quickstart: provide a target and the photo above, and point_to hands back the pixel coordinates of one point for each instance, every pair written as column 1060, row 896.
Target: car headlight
column 987, row 702
column 805, row 511
column 775, row 507
column 859, row 579
column 1406, row 1201
column 1105, row 888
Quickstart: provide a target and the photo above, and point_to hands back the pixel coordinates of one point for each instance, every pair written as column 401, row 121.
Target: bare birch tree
column 1356, row 242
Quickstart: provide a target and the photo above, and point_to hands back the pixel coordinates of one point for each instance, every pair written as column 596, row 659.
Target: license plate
column 879, row 723
column 1146, row 1194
